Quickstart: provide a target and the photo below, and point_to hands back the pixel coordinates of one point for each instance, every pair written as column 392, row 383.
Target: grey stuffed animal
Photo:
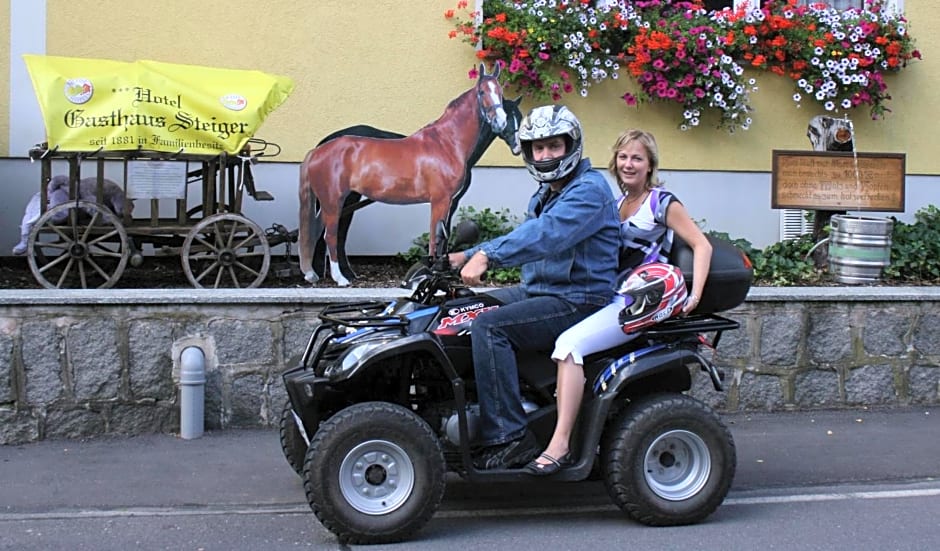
column 58, row 193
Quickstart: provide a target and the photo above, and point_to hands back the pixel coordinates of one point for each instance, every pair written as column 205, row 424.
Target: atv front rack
column 370, row 313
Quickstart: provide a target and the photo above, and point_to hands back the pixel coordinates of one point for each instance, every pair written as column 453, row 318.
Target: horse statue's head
column 502, row 118
column 510, row 134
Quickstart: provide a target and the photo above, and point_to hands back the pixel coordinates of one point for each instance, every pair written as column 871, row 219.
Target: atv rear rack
column 704, row 323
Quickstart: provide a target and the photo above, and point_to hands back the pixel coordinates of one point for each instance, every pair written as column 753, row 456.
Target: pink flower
column 629, row 99
column 543, row 56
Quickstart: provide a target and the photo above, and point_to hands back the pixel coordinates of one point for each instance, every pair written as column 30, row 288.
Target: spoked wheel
column 197, row 212
column 374, row 473
column 226, row 250
column 293, row 443
column 668, row 460
column 78, row 245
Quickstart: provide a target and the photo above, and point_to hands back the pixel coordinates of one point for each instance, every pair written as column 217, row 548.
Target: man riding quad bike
column 383, row 404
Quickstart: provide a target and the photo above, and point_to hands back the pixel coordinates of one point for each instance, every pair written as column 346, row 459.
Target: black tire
column 292, row 441
column 374, row 473
column 668, row 460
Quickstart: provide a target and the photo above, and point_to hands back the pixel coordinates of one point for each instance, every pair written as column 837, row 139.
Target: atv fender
column 404, row 346
column 662, row 368
column 315, row 397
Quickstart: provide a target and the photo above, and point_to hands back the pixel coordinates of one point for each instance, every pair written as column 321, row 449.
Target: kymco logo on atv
column 459, row 316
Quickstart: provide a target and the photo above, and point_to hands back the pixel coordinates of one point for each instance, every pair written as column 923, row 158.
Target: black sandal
column 552, row 467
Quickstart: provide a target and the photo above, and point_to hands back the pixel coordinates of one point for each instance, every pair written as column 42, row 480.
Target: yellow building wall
column 389, row 63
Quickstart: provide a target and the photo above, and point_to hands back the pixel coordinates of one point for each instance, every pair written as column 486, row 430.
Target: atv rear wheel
column 668, row 460
column 293, row 443
column 374, row 473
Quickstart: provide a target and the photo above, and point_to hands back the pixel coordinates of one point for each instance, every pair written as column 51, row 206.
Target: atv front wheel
column 668, row 460
column 293, row 443
column 374, row 473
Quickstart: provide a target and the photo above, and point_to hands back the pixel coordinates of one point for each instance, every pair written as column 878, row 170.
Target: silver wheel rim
column 376, row 477
column 677, row 465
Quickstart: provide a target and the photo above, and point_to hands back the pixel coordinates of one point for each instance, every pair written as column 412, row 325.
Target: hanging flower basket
column 678, row 52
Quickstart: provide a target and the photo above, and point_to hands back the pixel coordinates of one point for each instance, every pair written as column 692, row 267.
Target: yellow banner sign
column 90, row 104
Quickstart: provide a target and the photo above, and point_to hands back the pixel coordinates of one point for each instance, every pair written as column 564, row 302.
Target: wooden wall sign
column 828, row 180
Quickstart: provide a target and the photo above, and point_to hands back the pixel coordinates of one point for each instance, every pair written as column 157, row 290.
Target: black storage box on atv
column 729, row 276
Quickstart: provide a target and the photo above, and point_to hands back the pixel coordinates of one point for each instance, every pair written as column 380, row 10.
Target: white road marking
column 303, row 509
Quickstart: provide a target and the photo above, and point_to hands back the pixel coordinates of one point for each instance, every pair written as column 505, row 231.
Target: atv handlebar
column 433, row 280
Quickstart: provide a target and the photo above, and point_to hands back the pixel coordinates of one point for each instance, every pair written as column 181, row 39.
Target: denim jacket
column 568, row 246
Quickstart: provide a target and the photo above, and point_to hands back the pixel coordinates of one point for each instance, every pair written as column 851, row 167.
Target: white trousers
column 599, row 331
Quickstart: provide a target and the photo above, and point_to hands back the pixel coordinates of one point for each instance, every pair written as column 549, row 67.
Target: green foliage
column 915, row 249
column 746, row 246
column 786, row 263
column 915, row 256
column 490, row 223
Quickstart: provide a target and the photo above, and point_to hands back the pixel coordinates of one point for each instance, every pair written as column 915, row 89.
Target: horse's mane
column 452, row 106
column 363, row 131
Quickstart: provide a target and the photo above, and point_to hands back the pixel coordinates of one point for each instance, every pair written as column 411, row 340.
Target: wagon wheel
column 226, row 250
column 78, row 244
column 197, row 211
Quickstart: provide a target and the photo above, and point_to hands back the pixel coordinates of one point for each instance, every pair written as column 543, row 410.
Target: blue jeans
column 523, row 323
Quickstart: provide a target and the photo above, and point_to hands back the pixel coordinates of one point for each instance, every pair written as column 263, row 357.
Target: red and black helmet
column 657, row 291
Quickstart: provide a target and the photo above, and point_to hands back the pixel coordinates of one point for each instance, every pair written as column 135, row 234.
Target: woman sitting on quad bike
column 649, row 216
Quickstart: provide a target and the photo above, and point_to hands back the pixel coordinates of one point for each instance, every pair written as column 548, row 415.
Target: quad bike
column 383, row 404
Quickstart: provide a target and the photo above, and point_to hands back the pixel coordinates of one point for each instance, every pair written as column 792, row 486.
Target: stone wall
column 83, row 363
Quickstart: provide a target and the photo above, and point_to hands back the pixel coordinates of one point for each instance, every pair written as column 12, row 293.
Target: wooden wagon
column 85, row 244
column 182, row 137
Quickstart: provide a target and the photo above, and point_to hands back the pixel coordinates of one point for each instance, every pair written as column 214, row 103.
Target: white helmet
column 545, row 122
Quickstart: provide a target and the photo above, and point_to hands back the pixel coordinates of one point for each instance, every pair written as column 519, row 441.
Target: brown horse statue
column 430, row 166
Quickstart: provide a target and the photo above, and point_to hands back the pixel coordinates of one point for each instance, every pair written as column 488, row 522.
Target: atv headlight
column 353, row 357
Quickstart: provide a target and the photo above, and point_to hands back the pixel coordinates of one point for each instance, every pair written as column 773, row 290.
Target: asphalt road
column 805, row 480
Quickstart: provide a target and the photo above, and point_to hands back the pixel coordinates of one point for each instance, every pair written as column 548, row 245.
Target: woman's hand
column 690, row 303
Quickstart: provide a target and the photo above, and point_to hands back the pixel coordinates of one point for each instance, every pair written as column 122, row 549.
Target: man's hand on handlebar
column 473, row 269
column 457, row 260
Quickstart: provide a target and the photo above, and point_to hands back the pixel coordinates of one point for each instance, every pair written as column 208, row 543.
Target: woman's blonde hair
column 652, row 151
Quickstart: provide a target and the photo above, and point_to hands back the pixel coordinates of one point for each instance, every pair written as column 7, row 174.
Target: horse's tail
column 311, row 227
